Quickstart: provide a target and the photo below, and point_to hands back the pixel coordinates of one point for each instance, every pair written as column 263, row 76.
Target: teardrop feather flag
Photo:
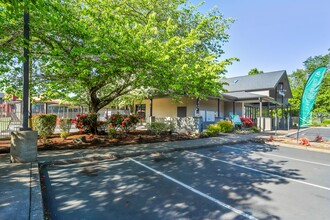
column 311, row 89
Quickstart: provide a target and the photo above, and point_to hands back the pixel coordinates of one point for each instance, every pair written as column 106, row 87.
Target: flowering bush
column 124, row 122
column 247, row 122
column 115, row 120
column 304, row 141
column 271, row 138
column 319, row 138
column 87, row 123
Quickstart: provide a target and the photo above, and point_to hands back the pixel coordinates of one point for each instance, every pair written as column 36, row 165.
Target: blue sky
column 274, row 34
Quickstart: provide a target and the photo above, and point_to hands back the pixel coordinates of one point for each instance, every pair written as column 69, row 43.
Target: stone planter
column 23, row 148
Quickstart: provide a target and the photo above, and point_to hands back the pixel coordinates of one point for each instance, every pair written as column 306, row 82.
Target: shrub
column 315, row 124
column 271, row 138
column 247, row 122
column 64, row 134
column 255, row 129
column 123, row 122
column 159, row 128
column 318, row 138
column 115, row 120
column 304, row 141
column 326, row 122
column 204, row 134
column 65, row 124
column 129, row 122
column 45, row 124
column 213, row 129
column 225, row 126
column 87, row 123
column 112, row 133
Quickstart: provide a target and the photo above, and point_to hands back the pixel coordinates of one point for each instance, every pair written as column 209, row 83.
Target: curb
column 299, row 147
column 36, row 202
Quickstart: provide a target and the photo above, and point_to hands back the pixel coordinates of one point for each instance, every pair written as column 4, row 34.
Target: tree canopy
column 98, row 52
column 298, row 80
column 255, row 71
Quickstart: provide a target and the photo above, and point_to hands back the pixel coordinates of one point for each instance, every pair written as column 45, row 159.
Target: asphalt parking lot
column 243, row 181
column 312, row 133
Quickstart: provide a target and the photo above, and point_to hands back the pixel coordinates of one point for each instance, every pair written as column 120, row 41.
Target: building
column 262, row 97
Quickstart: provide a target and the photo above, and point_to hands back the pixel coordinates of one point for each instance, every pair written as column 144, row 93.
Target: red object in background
column 247, row 122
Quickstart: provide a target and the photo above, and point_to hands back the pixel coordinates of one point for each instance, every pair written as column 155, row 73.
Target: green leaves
column 298, row 80
column 104, row 52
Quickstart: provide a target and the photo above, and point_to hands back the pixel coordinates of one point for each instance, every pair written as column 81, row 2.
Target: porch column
column 260, row 112
column 268, row 109
column 151, row 108
column 243, row 109
column 234, row 108
column 197, row 107
column 152, row 118
column 219, row 108
column 287, row 117
column 276, row 118
column 46, row 108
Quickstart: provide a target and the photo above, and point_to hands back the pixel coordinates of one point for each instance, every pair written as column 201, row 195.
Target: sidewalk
column 20, row 194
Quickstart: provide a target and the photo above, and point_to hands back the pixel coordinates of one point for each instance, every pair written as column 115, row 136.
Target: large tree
column 298, row 80
column 97, row 52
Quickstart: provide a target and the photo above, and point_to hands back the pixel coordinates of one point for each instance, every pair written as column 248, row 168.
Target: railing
column 181, row 125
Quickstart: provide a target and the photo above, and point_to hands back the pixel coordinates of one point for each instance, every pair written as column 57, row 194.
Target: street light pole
column 26, row 70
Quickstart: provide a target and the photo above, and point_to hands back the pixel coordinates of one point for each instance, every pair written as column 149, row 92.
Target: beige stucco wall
column 166, row 107
column 229, row 108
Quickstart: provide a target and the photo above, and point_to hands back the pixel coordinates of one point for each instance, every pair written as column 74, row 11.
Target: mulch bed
column 55, row 142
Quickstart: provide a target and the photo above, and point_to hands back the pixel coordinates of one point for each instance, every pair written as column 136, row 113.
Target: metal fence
column 11, row 114
column 10, row 118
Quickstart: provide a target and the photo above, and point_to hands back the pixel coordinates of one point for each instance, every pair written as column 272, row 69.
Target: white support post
column 243, row 109
column 260, row 113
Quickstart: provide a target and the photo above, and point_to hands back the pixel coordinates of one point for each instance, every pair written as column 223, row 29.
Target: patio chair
column 236, row 121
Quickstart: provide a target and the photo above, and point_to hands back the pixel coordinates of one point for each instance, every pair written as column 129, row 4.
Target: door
column 182, row 112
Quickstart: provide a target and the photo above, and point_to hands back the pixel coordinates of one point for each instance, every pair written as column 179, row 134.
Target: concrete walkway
column 20, row 191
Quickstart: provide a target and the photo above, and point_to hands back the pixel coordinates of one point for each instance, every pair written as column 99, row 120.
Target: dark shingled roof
column 263, row 81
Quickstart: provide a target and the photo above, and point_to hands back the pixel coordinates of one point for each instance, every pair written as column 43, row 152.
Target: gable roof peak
column 262, row 81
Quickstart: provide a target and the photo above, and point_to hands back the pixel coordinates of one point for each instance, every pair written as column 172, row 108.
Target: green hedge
column 326, row 122
column 159, row 128
column 45, row 124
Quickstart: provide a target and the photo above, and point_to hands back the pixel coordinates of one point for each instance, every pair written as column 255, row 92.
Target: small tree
column 65, row 126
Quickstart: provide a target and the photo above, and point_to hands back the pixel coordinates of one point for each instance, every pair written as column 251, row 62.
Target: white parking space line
column 237, row 211
column 291, row 158
column 259, row 171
